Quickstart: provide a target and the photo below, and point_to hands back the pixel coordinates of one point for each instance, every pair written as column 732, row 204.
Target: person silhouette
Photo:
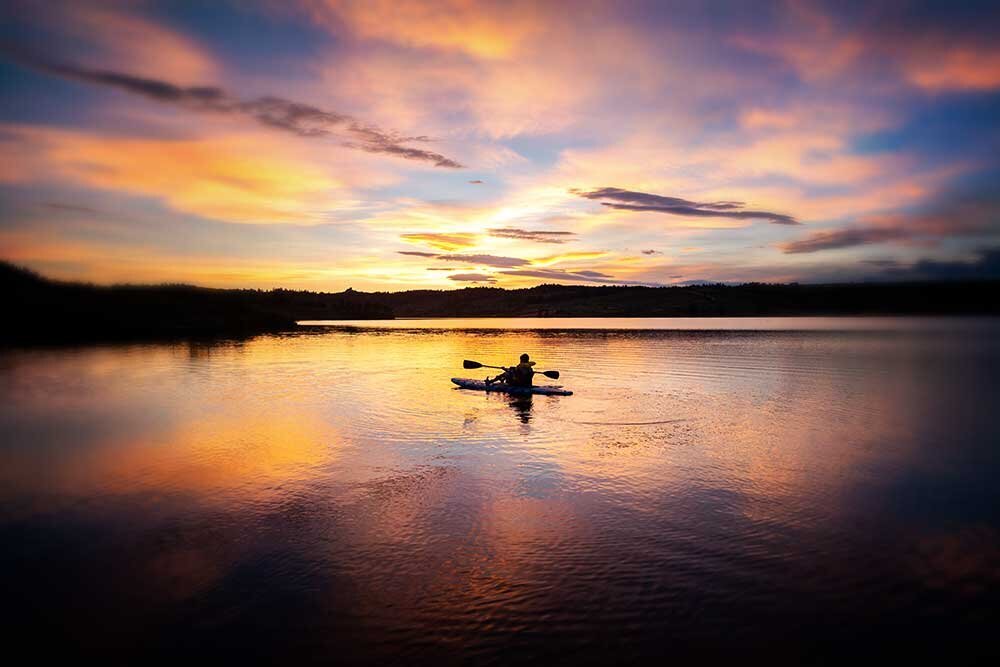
column 516, row 376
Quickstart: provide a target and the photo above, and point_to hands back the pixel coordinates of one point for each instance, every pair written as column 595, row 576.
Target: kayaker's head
column 524, row 358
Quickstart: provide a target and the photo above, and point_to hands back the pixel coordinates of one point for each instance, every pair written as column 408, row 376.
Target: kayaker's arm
column 500, row 376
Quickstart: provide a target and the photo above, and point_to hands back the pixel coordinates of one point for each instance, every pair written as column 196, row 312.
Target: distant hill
column 43, row 310
column 699, row 301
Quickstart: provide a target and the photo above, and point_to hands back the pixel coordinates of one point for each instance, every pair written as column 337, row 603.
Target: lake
column 800, row 489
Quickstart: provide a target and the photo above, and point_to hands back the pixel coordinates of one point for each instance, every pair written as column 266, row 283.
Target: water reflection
column 521, row 405
column 332, row 495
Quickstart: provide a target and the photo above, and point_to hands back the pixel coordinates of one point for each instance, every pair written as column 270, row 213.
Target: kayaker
column 516, row 376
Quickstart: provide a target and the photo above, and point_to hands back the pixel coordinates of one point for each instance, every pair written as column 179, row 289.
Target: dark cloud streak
column 574, row 276
column 536, row 236
column 73, row 208
column 486, row 260
column 472, row 277
column 482, row 260
column 845, row 238
column 629, row 200
column 970, row 210
column 300, row 119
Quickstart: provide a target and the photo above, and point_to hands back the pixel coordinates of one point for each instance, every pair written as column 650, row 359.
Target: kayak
column 479, row 385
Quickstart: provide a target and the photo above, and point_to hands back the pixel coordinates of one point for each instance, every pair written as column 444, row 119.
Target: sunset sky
column 320, row 144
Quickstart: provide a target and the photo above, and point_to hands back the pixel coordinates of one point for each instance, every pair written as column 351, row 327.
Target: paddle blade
column 551, row 374
column 471, row 364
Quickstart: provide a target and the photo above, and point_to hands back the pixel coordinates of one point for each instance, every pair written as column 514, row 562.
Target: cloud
column 972, row 209
column 300, row 119
column 927, row 48
column 473, row 277
column 573, row 276
column 481, row 260
column 537, row 236
column 503, row 262
column 569, row 257
column 845, row 238
column 629, row 200
column 949, row 67
column 479, row 30
column 819, row 146
column 85, row 256
column 72, row 208
column 985, row 266
column 487, row 69
column 486, row 260
column 116, row 32
column 443, row 241
column 222, row 177
column 417, row 253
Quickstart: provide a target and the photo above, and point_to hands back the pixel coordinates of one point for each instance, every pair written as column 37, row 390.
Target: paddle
column 475, row 364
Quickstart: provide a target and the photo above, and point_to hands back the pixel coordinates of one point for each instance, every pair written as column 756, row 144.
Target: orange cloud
column 928, row 56
column 211, row 458
column 443, row 241
column 42, row 249
column 755, row 119
column 68, row 257
column 236, row 178
column 568, row 257
column 815, row 48
column 100, row 262
column 530, row 80
column 484, row 30
column 807, row 170
column 117, row 37
column 953, row 214
column 447, row 94
column 956, row 68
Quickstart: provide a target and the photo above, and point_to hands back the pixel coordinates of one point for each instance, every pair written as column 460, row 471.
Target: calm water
column 827, row 324
column 802, row 495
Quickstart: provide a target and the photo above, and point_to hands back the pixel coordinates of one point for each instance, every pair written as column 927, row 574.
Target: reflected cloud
column 965, row 560
column 215, row 457
column 521, row 404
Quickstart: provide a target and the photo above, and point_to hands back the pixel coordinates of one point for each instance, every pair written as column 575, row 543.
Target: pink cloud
column 118, row 36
